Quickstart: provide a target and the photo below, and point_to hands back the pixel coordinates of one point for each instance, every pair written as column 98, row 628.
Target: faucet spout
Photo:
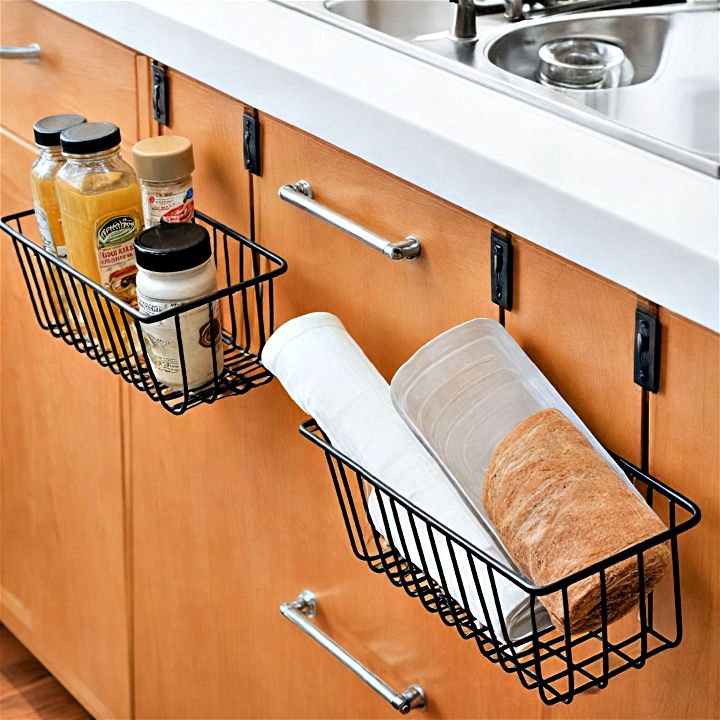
column 464, row 23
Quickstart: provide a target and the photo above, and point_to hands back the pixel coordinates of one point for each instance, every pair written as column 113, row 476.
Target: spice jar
column 100, row 206
column 174, row 267
column 99, row 196
column 43, row 175
column 164, row 165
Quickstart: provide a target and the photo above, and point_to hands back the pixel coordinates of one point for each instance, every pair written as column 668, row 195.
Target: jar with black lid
column 43, row 176
column 175, row 266
column 100, row 205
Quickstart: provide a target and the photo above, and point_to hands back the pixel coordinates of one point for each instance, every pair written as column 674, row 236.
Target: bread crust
column 558, row 508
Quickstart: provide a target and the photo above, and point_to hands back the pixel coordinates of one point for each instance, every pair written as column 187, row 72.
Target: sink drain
column 580, row 64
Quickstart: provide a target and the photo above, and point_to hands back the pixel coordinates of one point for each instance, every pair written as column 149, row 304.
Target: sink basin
column 406, row 19
column 667, row 97
column 670, row 102
column 641, row 37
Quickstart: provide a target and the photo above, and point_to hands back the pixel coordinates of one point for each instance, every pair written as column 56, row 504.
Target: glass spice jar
column 100, row 206
column 164, row 165
column 43, row 175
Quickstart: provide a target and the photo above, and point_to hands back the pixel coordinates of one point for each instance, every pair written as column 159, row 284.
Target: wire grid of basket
column 551, row 660
column 86, row 316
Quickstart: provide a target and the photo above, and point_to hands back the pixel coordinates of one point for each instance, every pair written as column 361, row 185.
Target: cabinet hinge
column 501, row 270
column 251, row 142
column 159, row 94
column 646, row 364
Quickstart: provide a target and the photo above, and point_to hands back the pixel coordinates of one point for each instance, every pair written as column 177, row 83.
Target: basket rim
column 312, row 431
column 134, row 313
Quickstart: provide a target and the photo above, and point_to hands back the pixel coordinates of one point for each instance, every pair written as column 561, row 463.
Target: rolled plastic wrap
column 327, row 374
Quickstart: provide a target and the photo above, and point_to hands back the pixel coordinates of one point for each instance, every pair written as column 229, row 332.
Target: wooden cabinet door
column 62, row 529
column 685, row 453
column 71, row 76
column 578, row 328
column 235, row 513
column 391, row 308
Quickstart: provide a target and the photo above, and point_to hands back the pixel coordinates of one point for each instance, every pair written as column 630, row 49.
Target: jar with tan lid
column 164, row 165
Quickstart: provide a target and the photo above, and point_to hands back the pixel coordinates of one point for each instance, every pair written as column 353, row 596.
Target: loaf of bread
column 558, row 508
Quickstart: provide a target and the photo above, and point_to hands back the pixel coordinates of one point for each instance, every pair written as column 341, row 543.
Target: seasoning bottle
column 164, row 165
column 42, row 179
column 174, row 267
column 100, row 206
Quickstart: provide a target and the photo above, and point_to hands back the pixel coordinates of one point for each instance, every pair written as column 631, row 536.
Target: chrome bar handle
column 303, row 608
column 30, row 52
column 300, row 195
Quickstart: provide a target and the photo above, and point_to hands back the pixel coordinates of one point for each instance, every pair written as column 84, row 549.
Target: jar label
column 171, row 207
column 198, row 327
column 116, row 255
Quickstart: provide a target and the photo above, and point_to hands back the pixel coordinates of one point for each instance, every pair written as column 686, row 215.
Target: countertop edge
column 646, row 223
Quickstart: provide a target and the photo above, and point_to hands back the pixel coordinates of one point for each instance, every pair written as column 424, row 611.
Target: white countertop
column 647, row 223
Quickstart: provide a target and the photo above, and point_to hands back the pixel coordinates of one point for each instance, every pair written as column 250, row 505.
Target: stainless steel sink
column 641, row 37
column 668, row 101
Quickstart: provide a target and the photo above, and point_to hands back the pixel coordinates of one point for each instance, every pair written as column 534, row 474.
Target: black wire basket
column 558, row 664
column 88, row 317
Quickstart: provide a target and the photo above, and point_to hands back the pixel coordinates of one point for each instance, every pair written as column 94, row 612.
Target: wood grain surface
column 578, row 328
column 213, row 122
column 72, row 75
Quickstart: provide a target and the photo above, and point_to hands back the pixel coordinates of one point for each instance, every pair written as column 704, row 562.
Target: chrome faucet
column 466, row 12
column 464, row 22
